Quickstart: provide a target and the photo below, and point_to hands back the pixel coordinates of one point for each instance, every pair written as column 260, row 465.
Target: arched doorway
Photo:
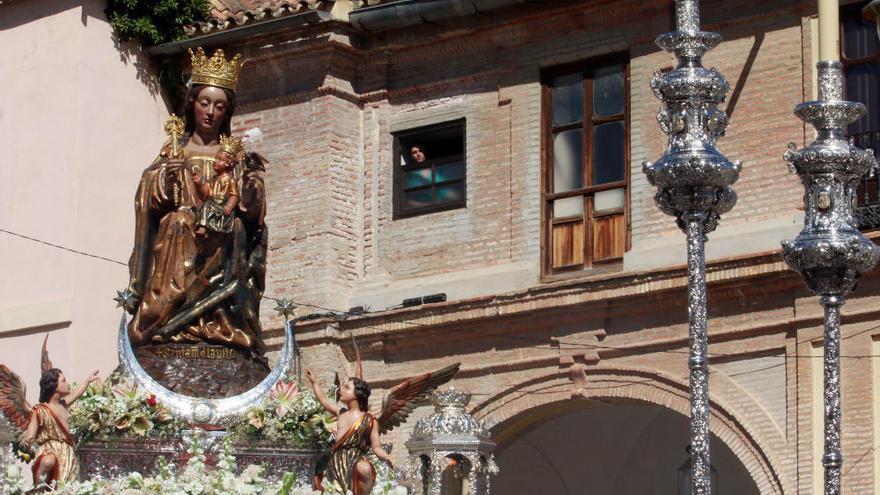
column 624, row 448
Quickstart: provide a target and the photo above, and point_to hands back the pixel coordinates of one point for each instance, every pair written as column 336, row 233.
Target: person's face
column 209, row 109
column 63, row 387
column 346, row 394
column 221, row 161
column 417, row 154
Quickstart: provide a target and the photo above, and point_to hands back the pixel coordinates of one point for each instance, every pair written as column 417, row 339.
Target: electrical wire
column 341, row 316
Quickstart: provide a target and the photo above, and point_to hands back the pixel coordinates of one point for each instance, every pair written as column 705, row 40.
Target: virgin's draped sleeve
column 253, row 197
column 154, row 198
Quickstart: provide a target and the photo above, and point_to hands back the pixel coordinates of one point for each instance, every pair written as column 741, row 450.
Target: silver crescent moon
column 197, row 409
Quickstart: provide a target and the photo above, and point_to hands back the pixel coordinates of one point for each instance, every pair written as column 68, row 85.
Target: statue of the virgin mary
column 198, row 297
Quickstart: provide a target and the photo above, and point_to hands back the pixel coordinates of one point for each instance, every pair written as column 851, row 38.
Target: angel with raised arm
column 45, row 426
column 358, row 430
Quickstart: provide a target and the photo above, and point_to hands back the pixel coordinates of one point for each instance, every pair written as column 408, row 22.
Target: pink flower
column 284, row 394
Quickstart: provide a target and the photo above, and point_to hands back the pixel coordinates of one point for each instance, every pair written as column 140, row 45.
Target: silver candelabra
column 693, row 182
column 830, row 253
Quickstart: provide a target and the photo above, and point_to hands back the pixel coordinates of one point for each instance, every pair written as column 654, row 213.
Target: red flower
column 151, row 400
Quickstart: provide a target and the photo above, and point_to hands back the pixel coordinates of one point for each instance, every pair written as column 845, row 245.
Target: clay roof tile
column 226, row 14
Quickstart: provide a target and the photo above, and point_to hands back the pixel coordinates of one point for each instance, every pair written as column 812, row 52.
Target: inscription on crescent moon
column 198, row 409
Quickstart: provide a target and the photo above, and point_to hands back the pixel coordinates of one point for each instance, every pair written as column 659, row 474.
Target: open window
column 429, row 169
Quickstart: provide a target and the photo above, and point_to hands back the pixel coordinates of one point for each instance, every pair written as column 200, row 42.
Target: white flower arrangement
column 15, row 477
column 288, row 415
column 194, row 478
column 117, row 408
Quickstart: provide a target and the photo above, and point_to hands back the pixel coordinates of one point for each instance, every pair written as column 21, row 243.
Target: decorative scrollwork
column 830, row 253
column 693, row 181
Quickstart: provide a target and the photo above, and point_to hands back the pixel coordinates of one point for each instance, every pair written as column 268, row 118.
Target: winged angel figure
column 358, row 430
column 44, row 427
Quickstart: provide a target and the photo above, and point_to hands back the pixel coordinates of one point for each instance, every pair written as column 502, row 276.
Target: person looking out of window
column 417, row 153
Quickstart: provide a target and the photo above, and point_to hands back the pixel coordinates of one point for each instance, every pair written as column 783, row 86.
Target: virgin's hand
column 310, row 376
column 93, row 376
column 227, row 210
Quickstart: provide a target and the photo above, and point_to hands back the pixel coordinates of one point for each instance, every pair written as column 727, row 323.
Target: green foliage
column 153, row 22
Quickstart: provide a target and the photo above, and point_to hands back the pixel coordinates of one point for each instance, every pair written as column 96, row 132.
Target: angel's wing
column 359, row 365
column 402, row 398
column 45, row 362
column 12, row 399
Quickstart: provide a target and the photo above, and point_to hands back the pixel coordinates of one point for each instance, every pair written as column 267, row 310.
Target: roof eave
column 235, row 34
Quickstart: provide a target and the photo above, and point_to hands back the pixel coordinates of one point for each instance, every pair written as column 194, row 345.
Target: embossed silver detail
column 140, row 454
column 451, row 433
column 201, row 410
column 830, row 253
column 693, row 182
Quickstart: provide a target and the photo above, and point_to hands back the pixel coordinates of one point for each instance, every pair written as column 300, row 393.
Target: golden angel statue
column 44, row 426
column 358, row 430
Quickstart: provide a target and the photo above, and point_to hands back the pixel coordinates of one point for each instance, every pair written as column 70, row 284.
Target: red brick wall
column 328, row 110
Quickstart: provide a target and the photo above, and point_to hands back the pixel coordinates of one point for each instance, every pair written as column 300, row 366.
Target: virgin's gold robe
column 190, row 290
column 53, row 438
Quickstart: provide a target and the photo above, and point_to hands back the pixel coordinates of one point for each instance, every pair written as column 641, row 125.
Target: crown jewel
column 231, row 145
column 215, row 71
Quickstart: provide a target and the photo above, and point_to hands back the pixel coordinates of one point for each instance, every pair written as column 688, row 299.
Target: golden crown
column 215, row 71
column 231, row 145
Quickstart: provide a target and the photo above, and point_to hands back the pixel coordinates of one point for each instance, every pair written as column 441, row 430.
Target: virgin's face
column 346, row 394
column 209, row 109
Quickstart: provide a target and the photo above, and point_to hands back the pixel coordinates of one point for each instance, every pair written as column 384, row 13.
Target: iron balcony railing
column 868, row 192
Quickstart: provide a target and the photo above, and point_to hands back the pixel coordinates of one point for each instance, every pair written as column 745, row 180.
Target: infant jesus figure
column 220, row 195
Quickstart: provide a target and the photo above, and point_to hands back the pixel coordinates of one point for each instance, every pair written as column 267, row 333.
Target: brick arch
column 534, row 401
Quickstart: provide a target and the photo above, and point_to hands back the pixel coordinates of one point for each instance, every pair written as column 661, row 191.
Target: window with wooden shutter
column 586, row 166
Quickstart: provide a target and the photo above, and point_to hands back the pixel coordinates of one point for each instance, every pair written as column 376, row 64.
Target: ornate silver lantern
column 450, row 451
column 693, row 182
column 830, row 253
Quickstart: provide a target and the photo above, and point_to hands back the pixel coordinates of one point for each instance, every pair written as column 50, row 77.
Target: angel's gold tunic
column 53, row 438
column 348, row 450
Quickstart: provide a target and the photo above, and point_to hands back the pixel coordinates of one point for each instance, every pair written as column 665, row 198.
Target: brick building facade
column 336, row 89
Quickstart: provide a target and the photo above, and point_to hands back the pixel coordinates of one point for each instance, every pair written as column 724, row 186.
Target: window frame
column 399, row 211
column 867, row 191
column 587, row 68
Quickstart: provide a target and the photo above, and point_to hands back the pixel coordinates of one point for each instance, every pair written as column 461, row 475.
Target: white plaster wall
column 79, row 121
